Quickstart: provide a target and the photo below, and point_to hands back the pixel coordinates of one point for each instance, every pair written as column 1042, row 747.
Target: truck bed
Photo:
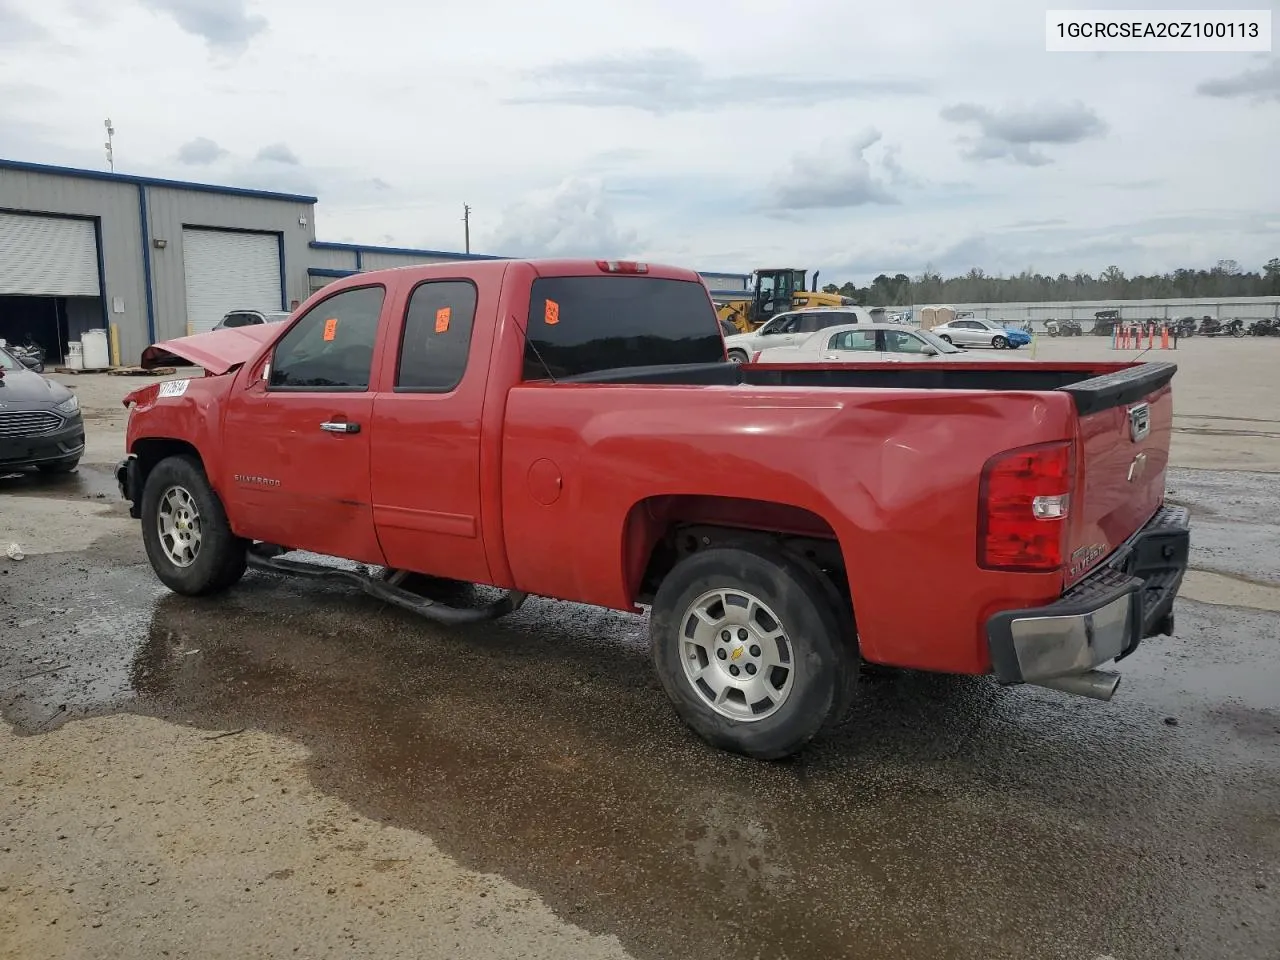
column 1093, row 386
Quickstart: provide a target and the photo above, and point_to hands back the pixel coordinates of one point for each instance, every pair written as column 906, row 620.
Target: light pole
column 466, row 225
column 111, row 132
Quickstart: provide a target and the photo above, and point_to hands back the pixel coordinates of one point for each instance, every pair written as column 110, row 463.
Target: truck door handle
column 331, row 426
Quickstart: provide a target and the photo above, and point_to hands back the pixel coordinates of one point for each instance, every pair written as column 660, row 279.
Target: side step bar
column 267, row 557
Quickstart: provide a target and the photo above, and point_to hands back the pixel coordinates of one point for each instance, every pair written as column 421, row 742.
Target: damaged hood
column 216, row 351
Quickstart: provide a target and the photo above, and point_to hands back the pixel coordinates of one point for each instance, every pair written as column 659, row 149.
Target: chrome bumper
column 1102, row 618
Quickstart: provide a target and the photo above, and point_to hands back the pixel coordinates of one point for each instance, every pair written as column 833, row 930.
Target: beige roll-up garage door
column 227, row 270
column 48, row 256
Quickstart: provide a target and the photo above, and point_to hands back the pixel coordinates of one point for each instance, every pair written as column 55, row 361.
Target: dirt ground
column 289, row 773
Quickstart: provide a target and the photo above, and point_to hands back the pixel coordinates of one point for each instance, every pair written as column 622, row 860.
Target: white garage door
column 48, row 256
column 229, row 271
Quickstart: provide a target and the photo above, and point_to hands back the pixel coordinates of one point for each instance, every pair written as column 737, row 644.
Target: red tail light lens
column 1024, row 502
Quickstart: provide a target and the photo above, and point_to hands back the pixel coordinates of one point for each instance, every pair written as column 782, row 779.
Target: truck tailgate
column 1125, row 426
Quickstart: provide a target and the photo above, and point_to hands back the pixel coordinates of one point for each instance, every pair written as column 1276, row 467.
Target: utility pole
column 466, row 225
column 111, row 132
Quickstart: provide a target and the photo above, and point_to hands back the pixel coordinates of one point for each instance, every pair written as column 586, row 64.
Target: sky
column 850, row 137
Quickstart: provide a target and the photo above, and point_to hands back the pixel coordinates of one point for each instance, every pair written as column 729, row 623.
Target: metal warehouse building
column 149, row 259
column 140, row 257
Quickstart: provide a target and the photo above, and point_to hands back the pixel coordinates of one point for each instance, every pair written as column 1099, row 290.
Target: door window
column 853, row 340
column 897, row 342
column 436, row 338
column 834, row 318
column 331, row 345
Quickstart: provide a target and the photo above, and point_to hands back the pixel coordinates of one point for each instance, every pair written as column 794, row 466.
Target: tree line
column 1225, row 280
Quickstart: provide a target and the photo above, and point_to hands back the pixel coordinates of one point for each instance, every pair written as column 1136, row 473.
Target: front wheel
column 749, row 648
column 1237, row 331
column 737, row 356
column 185, row 531
column 999, row 342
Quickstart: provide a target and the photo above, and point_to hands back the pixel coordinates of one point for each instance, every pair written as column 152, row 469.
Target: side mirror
column 929, row 352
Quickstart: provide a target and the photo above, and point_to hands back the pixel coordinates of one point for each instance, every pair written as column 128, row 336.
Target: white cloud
column 698, row 148
column 571, row 220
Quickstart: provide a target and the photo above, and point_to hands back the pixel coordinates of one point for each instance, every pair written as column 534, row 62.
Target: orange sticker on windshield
column 442, row 319
column 552, row 313
column 330, row 328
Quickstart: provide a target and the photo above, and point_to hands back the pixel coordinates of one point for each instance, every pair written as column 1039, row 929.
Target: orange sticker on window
column 330, row 328
column 552, row 313
column 442, row 319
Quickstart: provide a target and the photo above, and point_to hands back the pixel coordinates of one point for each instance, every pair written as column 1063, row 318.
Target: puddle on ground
column 950, row 818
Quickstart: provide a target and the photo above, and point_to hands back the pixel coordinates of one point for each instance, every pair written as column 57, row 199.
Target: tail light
column 1024, row 499
column 622, row 266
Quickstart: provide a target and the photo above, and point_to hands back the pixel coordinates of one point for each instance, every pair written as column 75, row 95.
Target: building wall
column 169, row 210
column 332, row 259
column 726, row 282
column 374, row 260
column 115, row 207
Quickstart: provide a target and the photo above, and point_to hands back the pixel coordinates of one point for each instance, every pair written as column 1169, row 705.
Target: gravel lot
column 294, row 771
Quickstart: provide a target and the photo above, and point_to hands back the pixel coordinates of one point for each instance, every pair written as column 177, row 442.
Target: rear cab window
column 585, row 325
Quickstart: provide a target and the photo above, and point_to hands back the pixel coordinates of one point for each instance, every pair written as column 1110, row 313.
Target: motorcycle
column 30, row 355
column 1211, row 327
column 1265, row 328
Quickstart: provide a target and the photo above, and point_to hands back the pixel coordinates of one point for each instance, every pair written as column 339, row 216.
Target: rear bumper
column 1102, row 618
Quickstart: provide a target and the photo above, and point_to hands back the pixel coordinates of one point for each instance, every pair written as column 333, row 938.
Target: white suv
column 786, row 329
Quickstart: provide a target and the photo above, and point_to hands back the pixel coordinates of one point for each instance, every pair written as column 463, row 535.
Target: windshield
column 935, row 341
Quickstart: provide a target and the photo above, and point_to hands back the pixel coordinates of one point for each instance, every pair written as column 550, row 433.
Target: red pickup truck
column 572, row 429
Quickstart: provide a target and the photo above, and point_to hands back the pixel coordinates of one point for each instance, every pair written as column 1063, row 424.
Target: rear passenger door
column 852, row 345
column 426, row 438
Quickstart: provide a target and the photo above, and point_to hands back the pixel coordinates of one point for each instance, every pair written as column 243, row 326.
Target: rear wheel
column 185, row 531
column 945, row 337
column 999, row 342
column 749, row 646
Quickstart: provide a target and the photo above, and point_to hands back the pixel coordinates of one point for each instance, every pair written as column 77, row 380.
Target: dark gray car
column 40, row 421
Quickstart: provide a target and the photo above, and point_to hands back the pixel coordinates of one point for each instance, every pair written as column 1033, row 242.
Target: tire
column 737, row 356
column 946, row 338
column 1237, row 331
column 218, row 557
column 59, row 466
column 810, row 694
column 1000, row 343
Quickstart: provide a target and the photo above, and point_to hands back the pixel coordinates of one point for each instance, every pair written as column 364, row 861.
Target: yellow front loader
column 773, row 292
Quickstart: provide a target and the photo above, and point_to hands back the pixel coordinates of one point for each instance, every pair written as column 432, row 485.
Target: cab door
column 853, row 345
column 296, row 434
column 425, row 457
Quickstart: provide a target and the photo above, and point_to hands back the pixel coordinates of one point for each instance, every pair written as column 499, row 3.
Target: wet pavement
column 949, row 819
